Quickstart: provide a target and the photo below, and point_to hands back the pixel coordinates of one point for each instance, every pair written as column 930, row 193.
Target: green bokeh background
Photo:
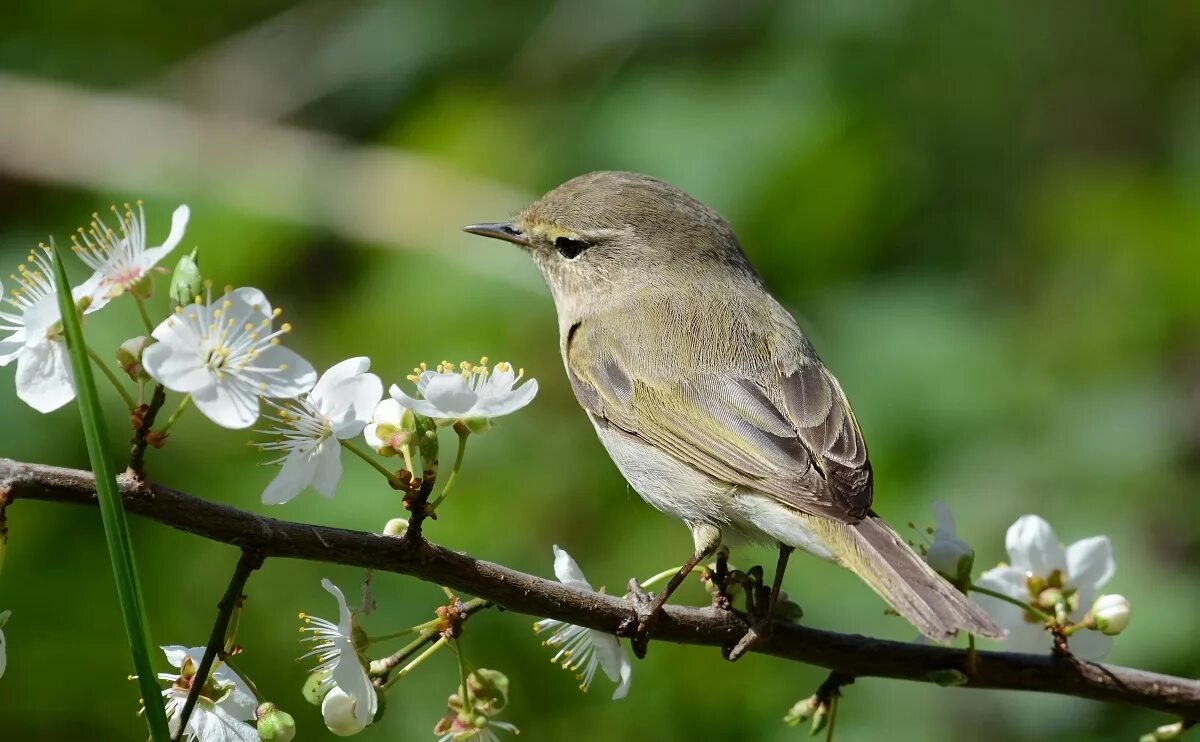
column 987, row 216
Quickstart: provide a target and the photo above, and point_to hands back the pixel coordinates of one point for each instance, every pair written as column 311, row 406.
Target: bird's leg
column 762, row 628
column 646, row 612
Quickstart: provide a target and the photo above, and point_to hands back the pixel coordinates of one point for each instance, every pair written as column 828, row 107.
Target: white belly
column 697, row 499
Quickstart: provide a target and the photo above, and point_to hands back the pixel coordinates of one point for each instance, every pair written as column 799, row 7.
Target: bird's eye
column 569, row 248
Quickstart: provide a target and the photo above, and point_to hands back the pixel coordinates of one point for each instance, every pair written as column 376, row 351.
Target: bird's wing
column 789, row 433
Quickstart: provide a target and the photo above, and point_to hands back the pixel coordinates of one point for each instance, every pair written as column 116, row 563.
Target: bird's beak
column 499, row 231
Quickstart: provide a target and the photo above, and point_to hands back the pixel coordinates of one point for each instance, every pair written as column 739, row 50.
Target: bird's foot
column 640, row 625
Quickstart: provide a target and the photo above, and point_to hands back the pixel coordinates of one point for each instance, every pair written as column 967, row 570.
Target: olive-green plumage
column 706, row 393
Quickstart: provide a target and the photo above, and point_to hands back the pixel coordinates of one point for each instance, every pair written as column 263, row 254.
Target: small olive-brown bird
column 709, row 397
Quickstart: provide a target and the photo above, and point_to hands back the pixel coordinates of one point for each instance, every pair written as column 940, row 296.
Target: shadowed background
column 985, row 215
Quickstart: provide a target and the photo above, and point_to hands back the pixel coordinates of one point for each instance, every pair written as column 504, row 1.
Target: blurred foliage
column 985, row 214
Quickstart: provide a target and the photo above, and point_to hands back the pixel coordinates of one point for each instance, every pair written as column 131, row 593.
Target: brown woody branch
column 852, row 655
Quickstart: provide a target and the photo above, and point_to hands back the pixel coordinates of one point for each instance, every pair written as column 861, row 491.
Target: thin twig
column 144, row 416
column 523, row 593
column 248, row 562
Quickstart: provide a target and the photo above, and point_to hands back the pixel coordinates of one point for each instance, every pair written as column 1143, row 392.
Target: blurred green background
column 986, row 215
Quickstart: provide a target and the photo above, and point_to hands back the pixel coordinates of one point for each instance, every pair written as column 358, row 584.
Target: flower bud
column 488, row 690
column 1111, row 613
column 478, row 424
column 427, row 441
column 315, row 687
column 274, row 725
column 395, row 527
column 802, row 711
column 338, row 711
column 1163, row 733
column 186, row 281
column 1050, row 598
column 129, row 357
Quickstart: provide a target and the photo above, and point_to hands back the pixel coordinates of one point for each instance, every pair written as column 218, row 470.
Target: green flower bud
column 802, row 711
column 186, row 281
column 274, row 725
column 478, row 424
column 129, row 357
column 488, row 690
column 1111, row 614
column 947, row 678
column 427, row 441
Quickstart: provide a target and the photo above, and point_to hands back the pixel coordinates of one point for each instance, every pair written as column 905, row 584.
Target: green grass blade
column 112, row 511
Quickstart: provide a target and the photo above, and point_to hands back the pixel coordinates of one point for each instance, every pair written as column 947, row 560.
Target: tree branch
column 852, row 655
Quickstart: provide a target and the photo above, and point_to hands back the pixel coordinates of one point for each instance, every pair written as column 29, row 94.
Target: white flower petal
column 1033, row 547
column 95, row 289
column 339, row 710
column 297, row 473
column 945, row 519
column 568, row 572
column 451, row 394
column 355, row 400
column 248, row 298
column 44, row 379
column 232, row 404
column 1090, row 564
column 338, row 373
column 613, row 661
column 178, row 367
column 179, row 221
column 11, row 347
column 1009, row 581
column 388, row 412
column 419, row 406
column 329, row 468
column 288, row 374
column 508, row 403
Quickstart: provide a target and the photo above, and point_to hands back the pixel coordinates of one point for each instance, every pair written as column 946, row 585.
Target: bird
column 710, row 399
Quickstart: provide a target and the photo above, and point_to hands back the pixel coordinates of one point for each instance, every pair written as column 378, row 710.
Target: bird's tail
column 873, row 551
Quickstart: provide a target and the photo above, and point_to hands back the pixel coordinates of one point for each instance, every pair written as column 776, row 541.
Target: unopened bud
column 274, row 725
column 1164, row 733
column 129, row 357
column 186, row 281
column 1111, row 614
column 1050, row 598
column 427, row 441
column 395, row 527
column 802, row 711
column 488, row 690
column 338, row 711
column 947, row 677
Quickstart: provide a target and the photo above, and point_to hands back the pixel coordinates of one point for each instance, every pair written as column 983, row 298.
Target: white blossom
column 1042, row 573
column 120, row 257
column 337, row 657
column 950, row 556
column 309, row 428
column 30, row 314
column 468, row 392
column 221, row 712
column 227, row 355
column 582, row 650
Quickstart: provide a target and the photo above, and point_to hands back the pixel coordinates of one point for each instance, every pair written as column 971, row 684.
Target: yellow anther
column 276, row 312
